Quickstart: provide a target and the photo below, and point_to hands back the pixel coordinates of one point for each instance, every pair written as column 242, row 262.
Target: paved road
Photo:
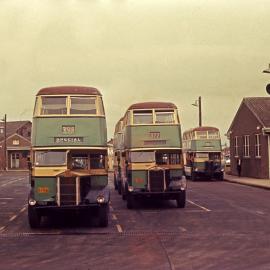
column 224, row 226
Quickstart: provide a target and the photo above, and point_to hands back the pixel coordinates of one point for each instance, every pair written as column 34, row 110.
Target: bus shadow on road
column 70, row 221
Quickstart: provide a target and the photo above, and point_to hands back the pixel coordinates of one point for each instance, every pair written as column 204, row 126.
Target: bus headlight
column 32, row 202
column 100, row 199
column 130, row 188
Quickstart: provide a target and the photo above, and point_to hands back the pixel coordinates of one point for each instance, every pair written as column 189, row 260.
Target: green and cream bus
column 151, row 159
column 69, row 154
column 202, row 153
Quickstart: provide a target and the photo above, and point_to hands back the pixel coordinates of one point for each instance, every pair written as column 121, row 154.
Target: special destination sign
column 68, row 139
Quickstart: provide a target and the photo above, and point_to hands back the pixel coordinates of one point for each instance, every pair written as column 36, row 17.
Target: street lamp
column 5, row 141
column 198, row 103
column 268, row 85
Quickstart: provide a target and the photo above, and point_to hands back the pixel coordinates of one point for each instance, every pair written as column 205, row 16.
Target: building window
column 236, row 146
column 15, row 142
column 257, row 145
column 246, row 146
column 1, row 130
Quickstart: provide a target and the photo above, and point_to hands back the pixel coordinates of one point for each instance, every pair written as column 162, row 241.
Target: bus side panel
column 99, row 181
column 139, row 179
column 45, row 189
column 87, row 131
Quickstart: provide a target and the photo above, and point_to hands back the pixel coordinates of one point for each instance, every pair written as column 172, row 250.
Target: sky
column 136, row 51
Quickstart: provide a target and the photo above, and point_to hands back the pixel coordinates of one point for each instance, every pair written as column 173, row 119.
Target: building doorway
column 15, row 161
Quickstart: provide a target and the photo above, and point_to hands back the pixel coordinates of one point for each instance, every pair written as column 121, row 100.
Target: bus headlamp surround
column 183, row 184
column 100, row 199
column 130, row 188
column 32, row 202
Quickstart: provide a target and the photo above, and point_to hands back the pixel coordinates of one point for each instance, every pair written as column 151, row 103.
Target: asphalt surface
column 224, row 226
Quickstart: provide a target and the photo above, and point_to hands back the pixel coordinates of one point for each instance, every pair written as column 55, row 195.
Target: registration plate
column 43, row 189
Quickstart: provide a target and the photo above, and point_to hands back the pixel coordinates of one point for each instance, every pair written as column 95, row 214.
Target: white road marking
column 13, row 217
column 23, row 209
column 182, row 229
column 202, row 207
column 114, row 217
column 6, row 198
column 111, row 208
column 2, row 229
column 119, row 228
column 12, row 181
column 260, row 212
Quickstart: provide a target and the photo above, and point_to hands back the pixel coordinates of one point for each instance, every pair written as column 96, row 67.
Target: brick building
column 18, row 142
column 249, row 136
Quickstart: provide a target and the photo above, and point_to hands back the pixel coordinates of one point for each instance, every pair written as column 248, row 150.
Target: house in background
column 18, row 143
column 249, row 138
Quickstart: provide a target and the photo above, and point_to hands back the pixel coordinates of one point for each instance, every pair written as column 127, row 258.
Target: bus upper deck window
column 142, row 117
column 213, row 135
column 53, row 105
column 83, row 105
column 164, row 117
column 201, row 134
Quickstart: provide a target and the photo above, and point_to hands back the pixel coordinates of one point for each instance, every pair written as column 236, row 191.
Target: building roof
column 69, row 90
column 259, row 106
column 12, row 127
column 152, row 105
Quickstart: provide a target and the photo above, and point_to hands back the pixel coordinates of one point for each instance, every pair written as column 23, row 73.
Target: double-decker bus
column 151, row 160
column 202, row 153
column 69, row 154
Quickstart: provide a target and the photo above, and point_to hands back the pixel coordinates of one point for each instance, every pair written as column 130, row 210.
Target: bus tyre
column 130, row 201
column 181, row 199
column 33, row 217
column 193, row 176
column 124, row 192
column 104, row 215
column 119, row 188
column 115, row 183
column 221, row 176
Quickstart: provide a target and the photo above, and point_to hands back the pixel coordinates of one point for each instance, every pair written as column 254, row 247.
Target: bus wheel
column 33, row 217
column 193, row 176
column 221, row 177
column 123, row 192
column 181, row 199
column 103, row 215
column 115, row 183
column 119, row 188
column 130, row 201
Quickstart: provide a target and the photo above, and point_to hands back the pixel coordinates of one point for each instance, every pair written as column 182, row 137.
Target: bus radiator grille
column 68, row 191
column 156, row 181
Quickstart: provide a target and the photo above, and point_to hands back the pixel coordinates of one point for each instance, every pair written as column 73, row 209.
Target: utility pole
column 200, row 111
column 5, row 142
column 198, row 103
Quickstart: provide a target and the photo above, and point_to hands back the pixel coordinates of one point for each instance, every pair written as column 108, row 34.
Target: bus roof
column 152, row 105
column 204, row 128
column 69, row 90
